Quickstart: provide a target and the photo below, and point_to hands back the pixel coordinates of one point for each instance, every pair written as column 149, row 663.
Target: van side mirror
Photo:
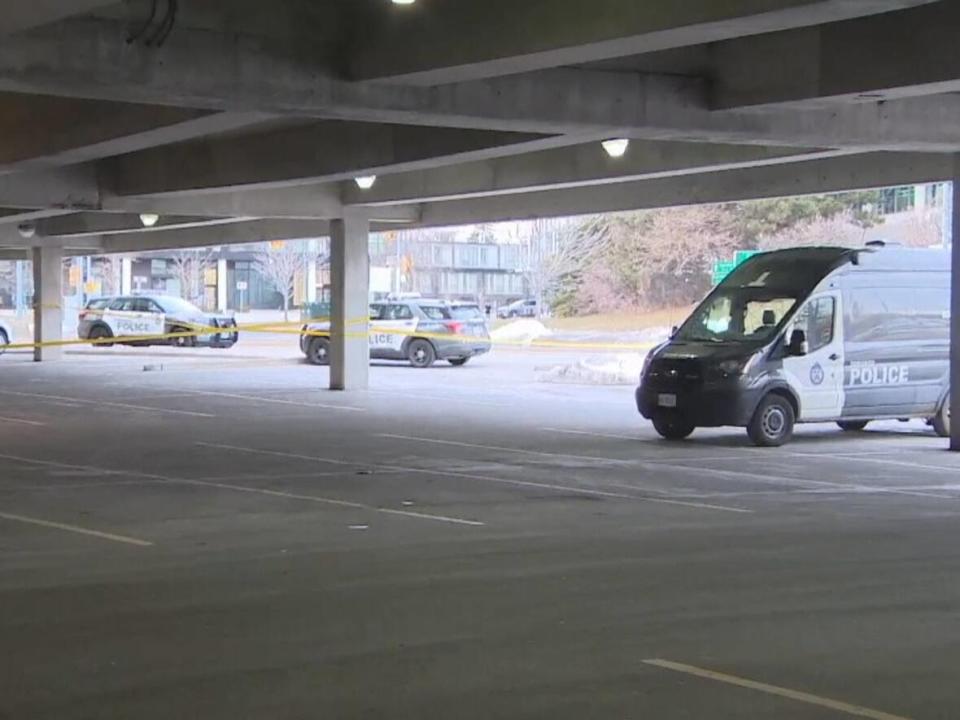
column 798, row 343
column 674, row 330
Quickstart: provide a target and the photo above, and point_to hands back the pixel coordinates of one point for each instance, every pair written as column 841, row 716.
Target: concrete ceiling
column 250, row 117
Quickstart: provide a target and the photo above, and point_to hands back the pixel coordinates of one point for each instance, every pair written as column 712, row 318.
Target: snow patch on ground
column 620, row 369
column 525, row 331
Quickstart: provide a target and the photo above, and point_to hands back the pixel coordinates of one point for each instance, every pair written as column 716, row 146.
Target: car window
column 530, row 303
column 376, row 311
column 816, row 319
column 98, row 304
column 122, row 305
column 398, row 312
column 435, row 312
column 144, row 305
column 174, row 305
column 466, row 312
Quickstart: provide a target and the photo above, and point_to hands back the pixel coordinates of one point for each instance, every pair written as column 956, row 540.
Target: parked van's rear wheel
column 852, row 425
column 673, row 426
column 772, row 423
column 4, row 341
column 318, row 351
column 941, row 421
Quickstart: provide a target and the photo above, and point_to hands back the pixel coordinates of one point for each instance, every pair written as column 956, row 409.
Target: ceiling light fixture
column 617, row 147
column 365, row 182
column 403, row 2
column 149, row 219
column 27, row 230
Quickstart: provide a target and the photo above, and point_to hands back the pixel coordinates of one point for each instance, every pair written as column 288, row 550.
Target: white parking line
column 21, row 421
column 275, row 401
column 496, row 448
column 75, row 529
column 487, row 478
column 672, row 465
column 245, row 489
column 799, row 696
column 124, row 406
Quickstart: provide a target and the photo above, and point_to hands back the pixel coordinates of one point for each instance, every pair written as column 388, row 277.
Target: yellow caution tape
column 296, row 328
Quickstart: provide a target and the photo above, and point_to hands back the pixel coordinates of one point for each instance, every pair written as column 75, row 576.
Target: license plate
column 667, row 400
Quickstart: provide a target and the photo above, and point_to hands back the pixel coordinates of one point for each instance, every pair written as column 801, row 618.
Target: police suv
column 148, row 319
column 416, row 330
column 809, row 335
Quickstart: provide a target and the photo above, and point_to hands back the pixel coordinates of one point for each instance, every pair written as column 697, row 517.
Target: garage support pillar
column 47, row 301
column 350, row 302
column 955, row 310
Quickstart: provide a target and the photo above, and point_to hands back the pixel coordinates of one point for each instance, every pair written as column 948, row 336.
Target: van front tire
column 772, row 423
column 852, row 425
column 673, row 426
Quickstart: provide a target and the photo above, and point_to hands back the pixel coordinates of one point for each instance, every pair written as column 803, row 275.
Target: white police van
column 809, row 335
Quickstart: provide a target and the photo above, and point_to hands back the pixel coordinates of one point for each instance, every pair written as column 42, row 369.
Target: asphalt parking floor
column 221, row 537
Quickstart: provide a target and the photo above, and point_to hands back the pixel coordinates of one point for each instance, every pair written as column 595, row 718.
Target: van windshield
column 738, row 314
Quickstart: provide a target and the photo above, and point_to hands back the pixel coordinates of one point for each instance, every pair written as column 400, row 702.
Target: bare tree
column 839, row 229
column 280, row 262
column 190, row 267
column 550, row 251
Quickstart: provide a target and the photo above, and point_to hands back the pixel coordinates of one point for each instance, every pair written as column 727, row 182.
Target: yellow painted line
column 74, row 529
column 783, row 692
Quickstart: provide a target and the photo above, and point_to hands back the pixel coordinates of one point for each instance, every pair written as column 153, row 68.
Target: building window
column 897, row 200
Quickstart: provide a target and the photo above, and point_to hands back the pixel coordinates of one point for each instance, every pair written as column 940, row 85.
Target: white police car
column 148, row 319
column 418, row 331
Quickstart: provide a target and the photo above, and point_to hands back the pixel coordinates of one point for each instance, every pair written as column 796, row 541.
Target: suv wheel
column 673, row 426
column 101, row 332
column 318, row 351
column 458, row 362
column 941, row 421
column 421, row 354
column 772, row 423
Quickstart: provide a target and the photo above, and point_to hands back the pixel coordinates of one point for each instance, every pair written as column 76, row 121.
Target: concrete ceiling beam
column 854, row 172
column 72, row 188
column 248, row 231
column 89, row 224
column 883, row 57
column 580, row 166
column 300, row 202
column 20, row 15
column 43, row 131
column 319, row 152
column 207, row 70
column 425, row 45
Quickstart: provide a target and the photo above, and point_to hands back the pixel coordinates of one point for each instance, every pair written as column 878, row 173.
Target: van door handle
column 834, row 357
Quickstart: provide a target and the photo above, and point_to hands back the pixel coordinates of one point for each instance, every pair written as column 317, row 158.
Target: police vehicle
column 149, row 318
column 416, row 330
column 809, row 335
column 6, row 336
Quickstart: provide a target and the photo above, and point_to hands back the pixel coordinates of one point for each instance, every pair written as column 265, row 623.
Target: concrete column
column 221, row 285
column 126, row 276
column 48, row 301
column 350, row 298
column 955, row 310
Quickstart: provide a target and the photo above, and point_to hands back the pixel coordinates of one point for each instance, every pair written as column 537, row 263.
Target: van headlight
column 738, row 366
